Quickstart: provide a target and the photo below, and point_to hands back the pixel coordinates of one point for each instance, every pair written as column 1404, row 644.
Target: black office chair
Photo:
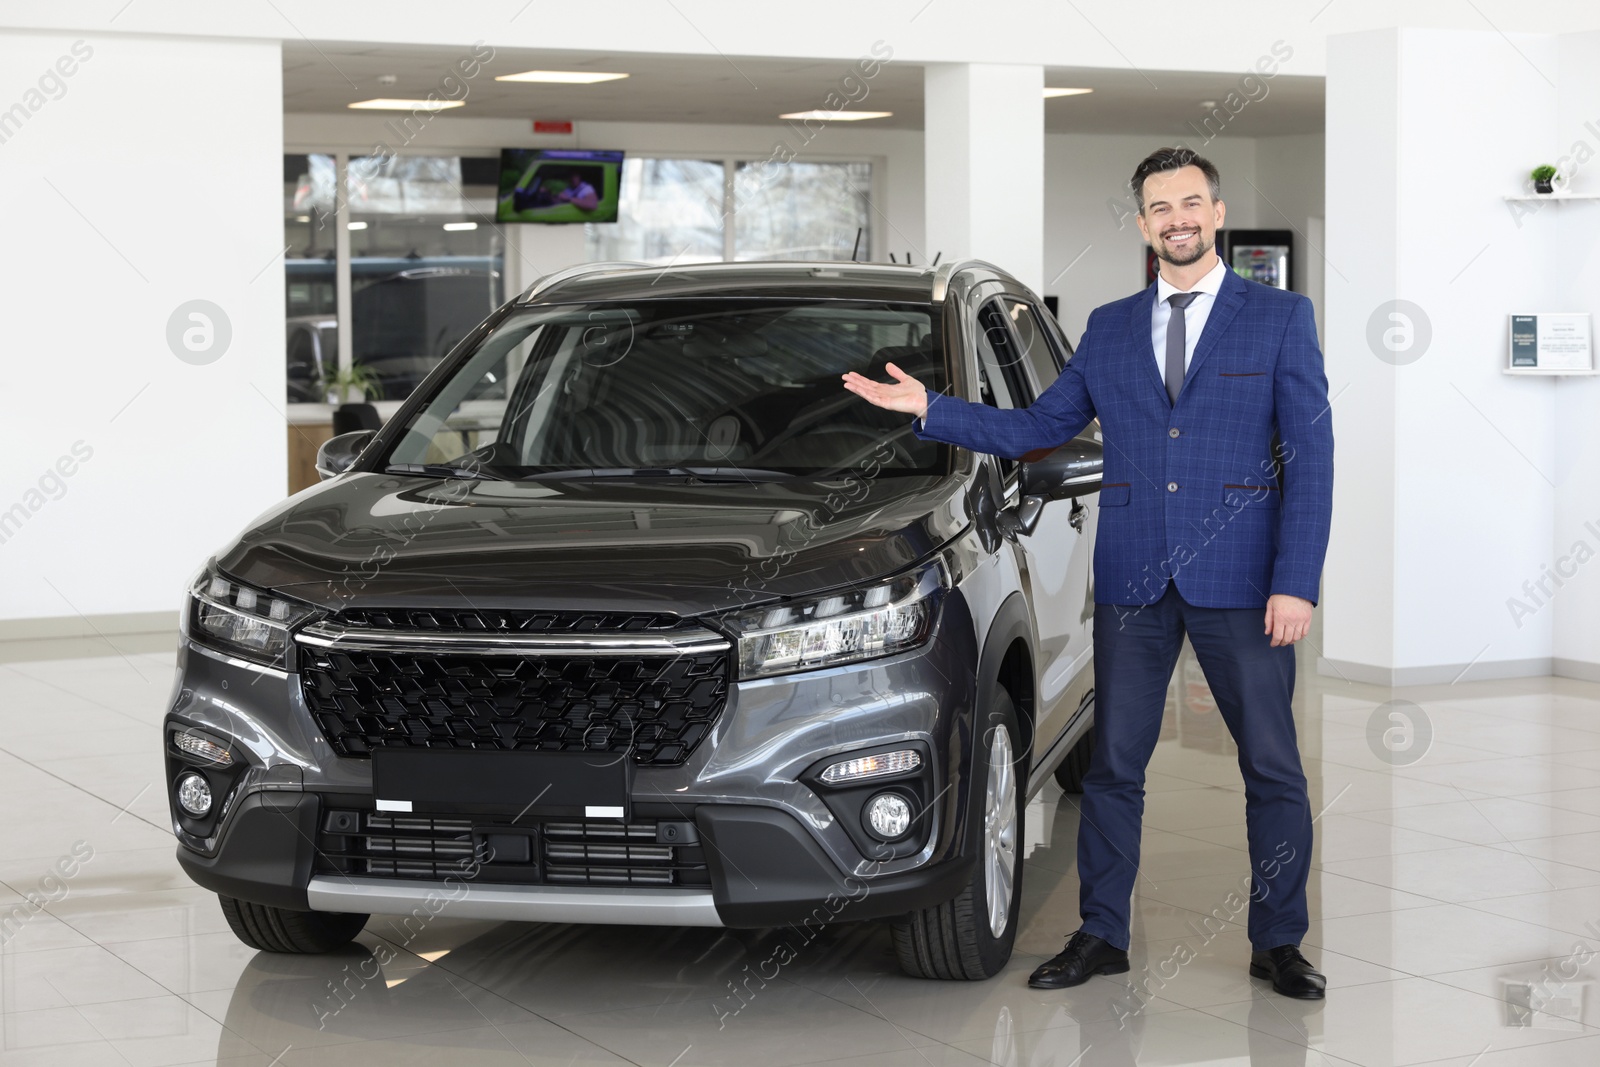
column 348, row 418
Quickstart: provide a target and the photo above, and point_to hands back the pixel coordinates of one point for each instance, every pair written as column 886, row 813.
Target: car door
column 1020, row 359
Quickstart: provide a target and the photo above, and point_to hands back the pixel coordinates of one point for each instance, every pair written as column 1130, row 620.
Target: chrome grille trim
column 330, row 635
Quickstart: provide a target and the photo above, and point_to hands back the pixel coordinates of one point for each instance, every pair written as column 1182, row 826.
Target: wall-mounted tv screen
column 558, row 185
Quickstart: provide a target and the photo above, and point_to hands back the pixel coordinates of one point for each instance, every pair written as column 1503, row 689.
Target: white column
column 984, row 161
column 144, row 335
column 1446, row 469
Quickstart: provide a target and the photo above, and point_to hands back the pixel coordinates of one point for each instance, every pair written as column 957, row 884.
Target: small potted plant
column 1543, row 178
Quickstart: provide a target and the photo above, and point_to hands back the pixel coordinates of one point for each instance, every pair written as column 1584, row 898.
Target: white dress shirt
column 1194, row 316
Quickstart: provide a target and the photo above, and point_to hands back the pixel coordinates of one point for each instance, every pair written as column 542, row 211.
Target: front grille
column 645, row 852
column 658, row 707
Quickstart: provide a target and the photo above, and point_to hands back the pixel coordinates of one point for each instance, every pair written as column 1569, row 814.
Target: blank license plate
column 592, row 785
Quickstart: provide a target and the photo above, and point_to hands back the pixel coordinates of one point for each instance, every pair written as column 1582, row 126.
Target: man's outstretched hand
column 905, row 393
column 1288, row 618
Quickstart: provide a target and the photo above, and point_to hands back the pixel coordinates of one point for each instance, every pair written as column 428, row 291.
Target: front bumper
column 765, row 871
column 777, row 849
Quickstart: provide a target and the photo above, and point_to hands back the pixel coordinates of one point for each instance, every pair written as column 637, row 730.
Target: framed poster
column 1550, row 343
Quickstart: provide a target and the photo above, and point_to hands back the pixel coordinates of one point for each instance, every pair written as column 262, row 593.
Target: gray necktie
column 1177, row 343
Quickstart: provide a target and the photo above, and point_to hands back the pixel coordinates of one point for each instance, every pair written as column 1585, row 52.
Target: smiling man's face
column 1180, row 220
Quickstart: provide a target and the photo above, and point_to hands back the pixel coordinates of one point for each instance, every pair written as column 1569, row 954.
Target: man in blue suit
column 1214, row 515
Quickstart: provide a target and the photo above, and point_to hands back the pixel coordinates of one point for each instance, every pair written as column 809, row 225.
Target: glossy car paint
column 371, row 539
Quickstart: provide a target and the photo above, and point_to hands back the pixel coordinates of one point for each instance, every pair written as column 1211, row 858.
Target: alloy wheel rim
column 1000, row 831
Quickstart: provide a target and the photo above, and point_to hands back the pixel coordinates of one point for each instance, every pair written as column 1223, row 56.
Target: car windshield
column 708, row 387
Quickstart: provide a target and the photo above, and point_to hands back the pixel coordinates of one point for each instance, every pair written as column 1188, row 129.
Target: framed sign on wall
column 1550, row 343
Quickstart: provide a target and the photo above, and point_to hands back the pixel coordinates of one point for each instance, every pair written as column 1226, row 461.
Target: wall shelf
column 1553, row 196
column 1536, row 372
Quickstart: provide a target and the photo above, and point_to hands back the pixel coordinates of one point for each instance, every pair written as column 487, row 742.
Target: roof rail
column 545, row 281
column 941, row 279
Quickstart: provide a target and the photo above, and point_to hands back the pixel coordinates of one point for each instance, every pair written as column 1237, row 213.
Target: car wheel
column 1073, row 769
column 281, row 930
column 970, row 937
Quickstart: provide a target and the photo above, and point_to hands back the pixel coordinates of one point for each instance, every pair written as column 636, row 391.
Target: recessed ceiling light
column 1049, row 92
column 453, row 226
column 355, row 225
column 837, row 116
column 1208, row 104
column 406, row 105
column 561, row 77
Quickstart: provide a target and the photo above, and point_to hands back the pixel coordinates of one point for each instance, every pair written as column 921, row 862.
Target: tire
column 281, row 930
column 956, row 940
column 1070, row 775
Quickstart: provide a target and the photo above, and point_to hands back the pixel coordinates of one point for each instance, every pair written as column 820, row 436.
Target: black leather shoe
column 1085, row 956
column 1291, row 973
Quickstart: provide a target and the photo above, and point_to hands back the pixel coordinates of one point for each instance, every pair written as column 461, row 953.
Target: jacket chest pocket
column 1244, row 371
column 1114, row 494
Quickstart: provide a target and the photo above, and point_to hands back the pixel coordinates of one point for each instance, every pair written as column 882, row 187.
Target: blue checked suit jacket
column 1190, row 493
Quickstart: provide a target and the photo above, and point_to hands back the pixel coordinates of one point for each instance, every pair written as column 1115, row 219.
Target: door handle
column 1077, row 515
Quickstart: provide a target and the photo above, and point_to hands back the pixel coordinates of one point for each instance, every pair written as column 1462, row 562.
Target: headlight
column 247, row 622
column 875, row 620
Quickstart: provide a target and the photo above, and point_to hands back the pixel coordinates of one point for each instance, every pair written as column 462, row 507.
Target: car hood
column 385, row 540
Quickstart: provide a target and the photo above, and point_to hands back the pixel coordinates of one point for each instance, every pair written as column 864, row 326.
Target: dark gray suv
column 633, row 614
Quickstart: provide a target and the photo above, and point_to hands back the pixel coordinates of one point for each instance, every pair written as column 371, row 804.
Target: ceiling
column 327, row 77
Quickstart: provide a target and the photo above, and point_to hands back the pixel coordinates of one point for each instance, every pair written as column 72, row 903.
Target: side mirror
column 338, row 453
column 1072, row 470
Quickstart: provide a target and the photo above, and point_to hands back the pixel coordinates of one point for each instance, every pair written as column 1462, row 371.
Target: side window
column 1037, row 348
column 1001, row 377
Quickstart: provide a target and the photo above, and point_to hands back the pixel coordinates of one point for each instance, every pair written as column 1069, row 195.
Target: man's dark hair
column 1163, row 160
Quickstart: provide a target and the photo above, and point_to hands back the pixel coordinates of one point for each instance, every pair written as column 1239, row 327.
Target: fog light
column 889, row 815
column 884, row 763
column 194, row 795
column 204, row 749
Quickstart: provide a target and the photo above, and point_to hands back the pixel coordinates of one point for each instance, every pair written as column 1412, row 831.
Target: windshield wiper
column 443, row 470
column 705, row 474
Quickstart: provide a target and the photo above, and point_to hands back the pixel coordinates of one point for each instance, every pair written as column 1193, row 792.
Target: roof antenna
column 892, row 259
column 936, row 256
column 908, row 257
column 857, row 246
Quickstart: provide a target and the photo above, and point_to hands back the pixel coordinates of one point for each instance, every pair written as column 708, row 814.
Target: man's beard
column 1201, row 247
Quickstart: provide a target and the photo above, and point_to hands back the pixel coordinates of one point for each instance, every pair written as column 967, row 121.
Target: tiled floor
column 1455, row 908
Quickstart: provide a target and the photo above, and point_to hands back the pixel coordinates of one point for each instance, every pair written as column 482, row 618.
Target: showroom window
column 700, row 210
column 425, row 265
column 310, row 275
column 670, row 211
column 801, row 210
column 426, row 262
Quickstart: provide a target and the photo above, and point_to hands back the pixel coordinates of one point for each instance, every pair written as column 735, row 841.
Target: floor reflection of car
column 636, row 615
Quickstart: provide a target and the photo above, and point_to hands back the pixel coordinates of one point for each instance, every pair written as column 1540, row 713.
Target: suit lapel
column 1230, row 298
column 1144, row 351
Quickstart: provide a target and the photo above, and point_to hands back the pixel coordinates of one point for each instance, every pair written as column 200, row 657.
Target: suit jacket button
column 1172, row 487
column 1172, row 432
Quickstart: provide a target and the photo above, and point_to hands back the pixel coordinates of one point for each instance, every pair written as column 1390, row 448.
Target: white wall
column 1569, row 232
column 127, row 194
column 1289, row 195
column 1093, row 251
column 1445, row 468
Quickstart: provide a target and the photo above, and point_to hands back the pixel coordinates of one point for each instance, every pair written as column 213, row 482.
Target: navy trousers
column 1135, row 651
